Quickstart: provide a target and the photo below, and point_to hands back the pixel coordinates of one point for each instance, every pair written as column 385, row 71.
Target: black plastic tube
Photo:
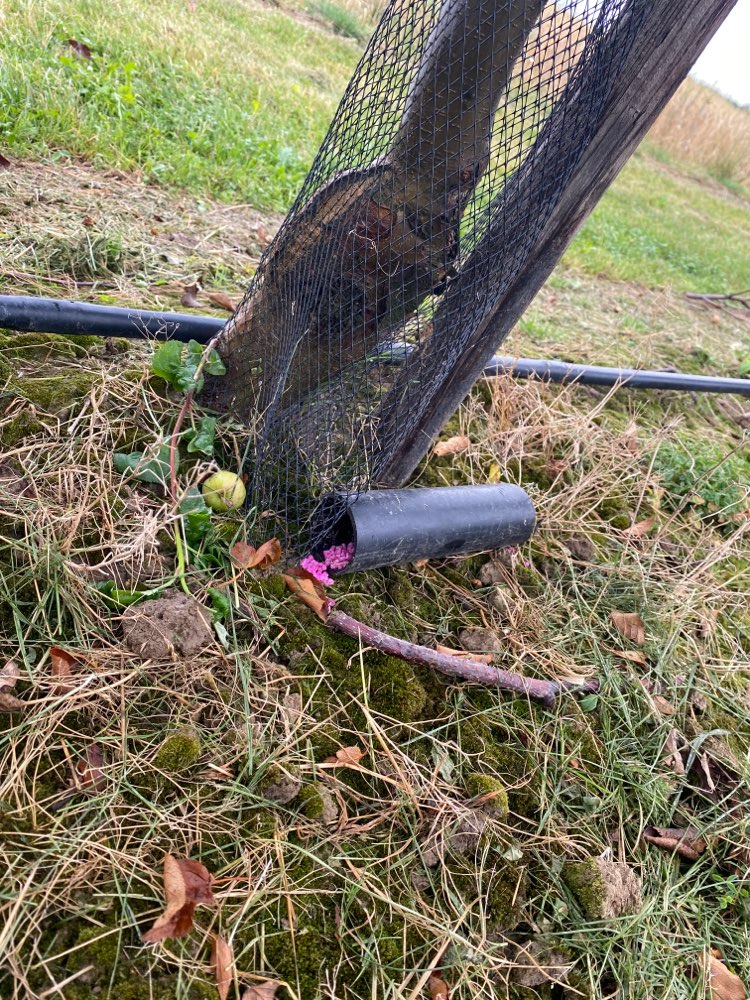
column 33, row 315
column 26, row 314
column 389, row 527
column 633, row 378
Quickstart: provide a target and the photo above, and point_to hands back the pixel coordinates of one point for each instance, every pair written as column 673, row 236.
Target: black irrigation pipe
column 28, row 314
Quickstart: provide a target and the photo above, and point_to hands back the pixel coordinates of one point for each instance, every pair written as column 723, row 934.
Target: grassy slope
column 355, row 904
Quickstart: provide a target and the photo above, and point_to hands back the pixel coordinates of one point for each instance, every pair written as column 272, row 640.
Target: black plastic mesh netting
column 450, row 149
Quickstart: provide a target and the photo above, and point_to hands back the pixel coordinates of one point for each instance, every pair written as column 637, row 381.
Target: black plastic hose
column 390, row 527
column 32, row 315
column 29, row 314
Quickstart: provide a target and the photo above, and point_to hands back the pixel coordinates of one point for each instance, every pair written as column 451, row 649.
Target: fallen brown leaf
column 438, row 988
column 5, row 163
column 346, row 756
column 261, row 235
column 662, row 705
column 189, row 296
column 682, row 841
column 308, row 591
column 641, row 528
column 262, row 991
column 222, row 965
column 723, row 984
column 222, row 300
column 630, row 625
column 186, row 884
column 8, row 677
column 673, row 745
column 61, row 666
column 89, row 769
column 248, row 557
column 452, row 446
column 80, row 48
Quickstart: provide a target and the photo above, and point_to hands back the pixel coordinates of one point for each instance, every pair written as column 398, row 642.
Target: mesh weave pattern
column 451, row 146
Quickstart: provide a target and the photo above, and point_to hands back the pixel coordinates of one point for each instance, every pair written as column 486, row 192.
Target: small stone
column 172, row 625
column 604, row 888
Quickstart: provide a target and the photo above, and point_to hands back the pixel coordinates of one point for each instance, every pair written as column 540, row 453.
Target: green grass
column 341, row 20
column 660, row 227
column 230, row 99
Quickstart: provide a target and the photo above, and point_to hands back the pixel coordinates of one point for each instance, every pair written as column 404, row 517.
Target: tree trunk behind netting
column 472, row 141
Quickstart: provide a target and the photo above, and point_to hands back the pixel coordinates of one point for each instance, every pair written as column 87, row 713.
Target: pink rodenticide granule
column 317, row 569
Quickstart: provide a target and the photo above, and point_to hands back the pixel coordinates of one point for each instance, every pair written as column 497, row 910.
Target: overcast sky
column 725, row 63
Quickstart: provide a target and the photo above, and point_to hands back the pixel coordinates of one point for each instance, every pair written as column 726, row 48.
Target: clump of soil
column 174, row 624
column 604, row 888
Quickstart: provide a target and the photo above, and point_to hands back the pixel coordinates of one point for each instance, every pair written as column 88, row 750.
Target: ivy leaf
column 177, row 364
column 202, row 438
column 148, row 468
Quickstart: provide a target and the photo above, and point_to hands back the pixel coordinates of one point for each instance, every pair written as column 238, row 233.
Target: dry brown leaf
column 633, row 655
column 248, row 557
column 222, row 965
column 452, row 446
column 5, row 163
column 438, row 988
column 684, row 842
column 89, row 769
column 630, row 625
column 222, row 301
column 662, row 705
column 186, row 884
column 308, row 591
column 80, row 48
column 261, row 235
column 641, row 528
column 189, row 296
column 673, row 745
column 723, row 984
column 8, row 677
column 464, row 654
column 346, row 756
column 262, row 991
column 61, row 665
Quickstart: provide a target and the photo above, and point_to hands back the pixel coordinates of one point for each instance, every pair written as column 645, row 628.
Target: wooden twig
column 735, row 303
column 466, row 669
column 173, row 444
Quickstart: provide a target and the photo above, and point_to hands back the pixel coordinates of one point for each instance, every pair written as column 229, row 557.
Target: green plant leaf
column 589, row 703
column 220, row 604
column 196, row 516
column 120, row 598
column 202, row 438
column 744, row 368
column 177, row 364
column 148, row 467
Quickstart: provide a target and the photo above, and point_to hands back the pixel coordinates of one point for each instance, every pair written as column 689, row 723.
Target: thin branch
column 466, row 669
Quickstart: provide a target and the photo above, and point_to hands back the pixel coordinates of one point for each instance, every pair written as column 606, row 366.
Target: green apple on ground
column 224, row 491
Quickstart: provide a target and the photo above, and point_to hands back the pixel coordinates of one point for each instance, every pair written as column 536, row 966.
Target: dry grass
column 701, row 128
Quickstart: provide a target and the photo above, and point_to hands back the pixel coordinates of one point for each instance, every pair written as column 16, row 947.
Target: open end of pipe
column 339, row 534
